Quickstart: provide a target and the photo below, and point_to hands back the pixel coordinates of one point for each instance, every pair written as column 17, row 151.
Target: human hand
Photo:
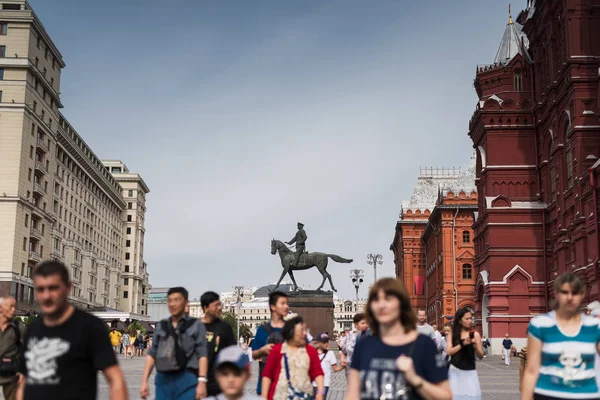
column 144, row 391
column 406, row 366
column 319, row 396
column 201, row 390
column 266, row 349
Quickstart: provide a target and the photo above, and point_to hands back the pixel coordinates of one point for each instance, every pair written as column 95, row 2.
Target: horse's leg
column 291, row 272
column 330, row 281
column 285, row 271
column 321, row 267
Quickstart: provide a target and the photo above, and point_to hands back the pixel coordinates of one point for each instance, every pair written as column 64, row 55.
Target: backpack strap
column 186, row 324
column 268, row 328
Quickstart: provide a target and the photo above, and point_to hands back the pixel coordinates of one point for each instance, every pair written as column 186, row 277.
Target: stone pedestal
column 316, row 307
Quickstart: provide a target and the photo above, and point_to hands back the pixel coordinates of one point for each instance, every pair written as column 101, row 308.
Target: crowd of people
column 391, row 354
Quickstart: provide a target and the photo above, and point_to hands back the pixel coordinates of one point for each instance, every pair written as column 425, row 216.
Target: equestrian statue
column 301, row 260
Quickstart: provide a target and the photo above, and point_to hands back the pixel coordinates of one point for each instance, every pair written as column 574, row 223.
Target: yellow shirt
column 115, row 338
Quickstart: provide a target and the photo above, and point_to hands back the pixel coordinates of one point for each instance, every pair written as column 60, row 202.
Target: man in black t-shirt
column 219, row 335
column 65, row 348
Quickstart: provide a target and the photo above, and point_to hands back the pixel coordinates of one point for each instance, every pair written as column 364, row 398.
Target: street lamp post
column 239, row 291
column 374, row 260
column 357, row 276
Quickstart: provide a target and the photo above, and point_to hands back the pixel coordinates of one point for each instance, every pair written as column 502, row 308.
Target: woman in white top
column 328, row 361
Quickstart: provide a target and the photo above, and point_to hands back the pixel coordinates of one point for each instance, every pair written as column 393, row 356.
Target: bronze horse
column 307, row 261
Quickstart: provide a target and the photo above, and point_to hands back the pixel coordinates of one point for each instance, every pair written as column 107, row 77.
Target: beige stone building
column 57, row 200
column 134, row 276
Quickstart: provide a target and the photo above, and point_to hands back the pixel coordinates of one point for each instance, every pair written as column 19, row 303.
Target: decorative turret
column 513, row 42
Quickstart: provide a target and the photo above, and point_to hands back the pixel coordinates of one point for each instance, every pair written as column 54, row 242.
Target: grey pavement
column 498, row 382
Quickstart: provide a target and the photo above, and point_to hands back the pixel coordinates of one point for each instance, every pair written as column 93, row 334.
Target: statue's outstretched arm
column 292, row 241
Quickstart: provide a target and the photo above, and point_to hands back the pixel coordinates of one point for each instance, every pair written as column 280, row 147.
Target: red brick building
column 434, row 238
column 449, row 253
column 536, row 129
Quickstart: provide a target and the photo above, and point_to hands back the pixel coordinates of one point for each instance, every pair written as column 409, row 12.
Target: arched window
column 569, row 157
column 467, row 271
column 466, row 237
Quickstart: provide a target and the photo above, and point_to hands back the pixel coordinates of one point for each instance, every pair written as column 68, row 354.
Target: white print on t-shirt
column 382, row 380
column 573, row 369
column 40, row 357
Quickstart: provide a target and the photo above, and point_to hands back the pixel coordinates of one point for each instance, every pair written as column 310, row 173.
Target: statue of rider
column 300, row 240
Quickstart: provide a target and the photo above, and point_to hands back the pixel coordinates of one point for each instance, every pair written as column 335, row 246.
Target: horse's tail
column 339, row 259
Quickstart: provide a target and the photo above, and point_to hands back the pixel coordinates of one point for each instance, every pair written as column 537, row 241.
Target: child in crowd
column 328, row 360
column 232, row 371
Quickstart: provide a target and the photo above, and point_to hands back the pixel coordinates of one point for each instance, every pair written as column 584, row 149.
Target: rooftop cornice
column 90, row 168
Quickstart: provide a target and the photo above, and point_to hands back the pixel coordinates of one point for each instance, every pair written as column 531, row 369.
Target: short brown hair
column 358, row 317
column 391, row 287
column 576, row 283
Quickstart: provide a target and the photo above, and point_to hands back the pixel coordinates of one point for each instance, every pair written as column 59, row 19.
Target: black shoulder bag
column 8, row 365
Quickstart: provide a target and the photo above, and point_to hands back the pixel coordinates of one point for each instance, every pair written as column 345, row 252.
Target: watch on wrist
column 202, row 379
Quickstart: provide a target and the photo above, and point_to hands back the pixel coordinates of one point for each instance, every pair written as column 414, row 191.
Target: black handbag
column 9, row 366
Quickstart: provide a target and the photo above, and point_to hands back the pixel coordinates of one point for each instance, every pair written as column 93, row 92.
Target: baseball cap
column 233, row 355
column 322, row 337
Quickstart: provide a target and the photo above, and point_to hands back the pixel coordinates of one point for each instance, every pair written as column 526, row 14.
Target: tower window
column 3, row 28
column 518, row 82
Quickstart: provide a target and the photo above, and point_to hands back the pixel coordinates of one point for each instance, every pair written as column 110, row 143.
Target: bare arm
column 478, row 345
column 21, row 387
column 263, row 351
column 451, row 350
column 148, row 367
column 338, row 368
column 532, row 370
column 353, row 392
column 320, row 381
column 438, row 391
column 266, row 385
column 116, row 382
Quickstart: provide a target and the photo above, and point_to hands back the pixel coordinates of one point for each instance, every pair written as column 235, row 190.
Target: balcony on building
column 34, row 256
column 36, row 233
column 39, row 189
column 55, row 254
column 42, row 146
column 40, row 167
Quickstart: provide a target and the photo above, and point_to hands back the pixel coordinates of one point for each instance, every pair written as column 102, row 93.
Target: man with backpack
column 11, row 341
column 178, row 352
column 269, row 334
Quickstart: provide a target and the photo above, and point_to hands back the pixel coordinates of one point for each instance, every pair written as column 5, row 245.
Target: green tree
column 134, row 327
column 245, row 332
column 231, row 318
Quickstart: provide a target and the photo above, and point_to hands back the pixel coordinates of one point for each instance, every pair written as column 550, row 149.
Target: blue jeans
column 176, row 386
column 326, row 391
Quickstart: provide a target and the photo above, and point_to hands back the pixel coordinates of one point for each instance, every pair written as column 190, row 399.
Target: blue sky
column 244, row 117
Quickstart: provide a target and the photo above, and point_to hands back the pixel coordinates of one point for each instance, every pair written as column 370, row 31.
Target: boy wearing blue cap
column 232, row 371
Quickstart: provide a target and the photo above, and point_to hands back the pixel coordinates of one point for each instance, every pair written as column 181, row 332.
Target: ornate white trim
column 504, row 280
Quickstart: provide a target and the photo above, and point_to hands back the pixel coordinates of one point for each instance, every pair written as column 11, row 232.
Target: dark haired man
column 219, row 335
column 179, row 353
column 347, row 345
column 269, row 334
column 64, row 349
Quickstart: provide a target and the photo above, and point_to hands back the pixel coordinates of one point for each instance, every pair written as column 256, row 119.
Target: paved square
column 498, row 382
